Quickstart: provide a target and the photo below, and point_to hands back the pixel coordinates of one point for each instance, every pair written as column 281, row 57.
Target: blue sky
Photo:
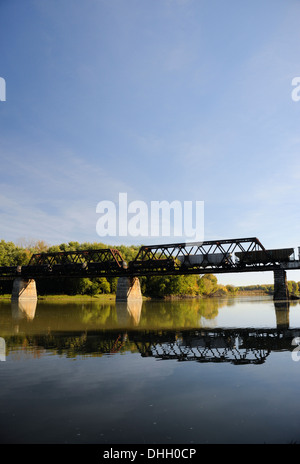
column 161, row 99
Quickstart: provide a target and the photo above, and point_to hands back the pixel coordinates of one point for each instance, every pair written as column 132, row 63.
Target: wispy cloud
column 49, row 200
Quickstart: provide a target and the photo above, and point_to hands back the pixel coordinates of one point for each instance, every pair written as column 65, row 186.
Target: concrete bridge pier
column 24, row 290
column 128, row 289
column 280, row 285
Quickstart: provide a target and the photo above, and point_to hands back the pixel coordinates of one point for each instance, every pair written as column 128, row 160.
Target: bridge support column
column 23, row 290
column 280, row 285
column 128, row 289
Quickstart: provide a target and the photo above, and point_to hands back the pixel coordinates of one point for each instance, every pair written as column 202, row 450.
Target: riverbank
column 108, row 298
column 103, row 298
column 252, row 293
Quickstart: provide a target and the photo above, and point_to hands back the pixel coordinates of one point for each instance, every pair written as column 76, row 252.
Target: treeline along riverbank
column 12, row 254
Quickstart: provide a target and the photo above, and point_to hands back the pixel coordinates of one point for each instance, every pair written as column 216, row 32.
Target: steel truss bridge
column 216, row 256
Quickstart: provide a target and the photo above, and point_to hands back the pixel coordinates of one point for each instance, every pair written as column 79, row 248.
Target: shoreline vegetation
column 102, row 289
column 110, row 297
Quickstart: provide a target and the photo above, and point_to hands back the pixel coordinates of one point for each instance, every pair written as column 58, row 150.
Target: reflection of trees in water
column 165, row 314
column 150, row 314
column 185, row 313
column 99, row 314
column 209, row 308
column 71, row 345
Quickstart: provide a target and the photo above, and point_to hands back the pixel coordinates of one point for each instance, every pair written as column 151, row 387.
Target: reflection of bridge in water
column 204, row 345
column 235, row 346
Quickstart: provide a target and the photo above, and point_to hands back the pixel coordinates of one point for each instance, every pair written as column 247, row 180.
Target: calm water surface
column 198, row 371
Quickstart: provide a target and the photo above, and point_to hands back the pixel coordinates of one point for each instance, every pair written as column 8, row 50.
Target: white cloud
column 52, row 201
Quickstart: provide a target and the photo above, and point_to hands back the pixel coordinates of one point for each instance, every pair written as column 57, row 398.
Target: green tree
column 208, row 284
column 231, row 289
column 292, row 286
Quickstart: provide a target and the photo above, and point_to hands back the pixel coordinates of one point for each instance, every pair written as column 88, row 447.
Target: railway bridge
column 207, row 257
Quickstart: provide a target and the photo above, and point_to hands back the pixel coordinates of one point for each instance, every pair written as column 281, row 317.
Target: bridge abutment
column 128, row 289
column 280, row 285
column 24, row 289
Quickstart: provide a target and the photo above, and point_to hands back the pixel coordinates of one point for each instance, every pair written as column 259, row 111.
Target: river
column 173, row 372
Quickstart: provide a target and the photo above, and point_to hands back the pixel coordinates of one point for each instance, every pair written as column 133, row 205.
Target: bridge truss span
column 96, row 263
column 216, row 256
